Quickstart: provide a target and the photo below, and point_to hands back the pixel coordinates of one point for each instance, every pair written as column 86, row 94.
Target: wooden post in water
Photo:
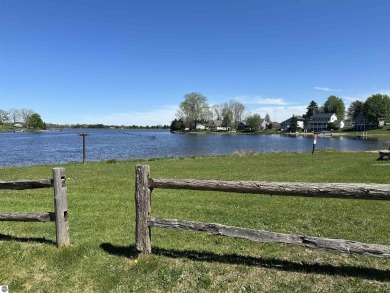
column 61, row 207
column 83, row 135
column 142, row 209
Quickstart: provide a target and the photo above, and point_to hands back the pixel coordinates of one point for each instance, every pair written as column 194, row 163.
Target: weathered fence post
column 61, row 207
column 142, row 209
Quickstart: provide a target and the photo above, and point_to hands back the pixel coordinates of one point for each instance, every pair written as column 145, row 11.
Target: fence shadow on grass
column 270, row 263
column 127, row 251
column 42, row 240
column 277, row 264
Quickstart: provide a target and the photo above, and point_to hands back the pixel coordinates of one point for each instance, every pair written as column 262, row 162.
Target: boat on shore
column 325, row 133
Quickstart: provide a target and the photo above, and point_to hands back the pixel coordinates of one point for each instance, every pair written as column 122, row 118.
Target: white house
column 200, row 127
column 319, row 122
column 264, row 124
column 216, row 125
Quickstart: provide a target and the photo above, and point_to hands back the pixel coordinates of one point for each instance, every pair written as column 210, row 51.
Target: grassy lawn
column 102, row 258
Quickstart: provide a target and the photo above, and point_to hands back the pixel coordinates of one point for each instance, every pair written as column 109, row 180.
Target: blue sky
column 131, row 62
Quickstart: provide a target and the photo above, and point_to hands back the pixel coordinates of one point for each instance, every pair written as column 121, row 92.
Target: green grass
column 102, row 258
column 385, row 130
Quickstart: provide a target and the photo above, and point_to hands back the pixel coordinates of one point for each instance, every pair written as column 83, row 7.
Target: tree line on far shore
column 374, row 107
column 194, row 109
column 28, row 118
column 22, row 117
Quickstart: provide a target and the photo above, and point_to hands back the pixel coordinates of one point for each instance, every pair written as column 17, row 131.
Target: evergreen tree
column 267, row 118
column 293, row 124
column 176, row 125
column 312, row 109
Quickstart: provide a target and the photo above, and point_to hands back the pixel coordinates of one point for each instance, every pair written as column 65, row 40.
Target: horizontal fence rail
column 337, row 245
column 326, row 190
column 59, row 216
column 28, row 217
column 144, row 221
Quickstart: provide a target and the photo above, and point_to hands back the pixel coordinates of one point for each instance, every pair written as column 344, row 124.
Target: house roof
column 299, row 118
column 216, row 123
column 322, row 115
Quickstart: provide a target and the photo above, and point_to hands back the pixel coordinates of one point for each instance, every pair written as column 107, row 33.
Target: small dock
column 363, row 135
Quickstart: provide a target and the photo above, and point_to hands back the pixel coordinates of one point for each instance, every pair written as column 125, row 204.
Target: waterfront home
column 242, row 126
column 216, row 125
column 319, row 122
column 383, row 122
column 286, row 124
column 200, row 127
column 339, row 124
column 362, row 123
column 264, row 124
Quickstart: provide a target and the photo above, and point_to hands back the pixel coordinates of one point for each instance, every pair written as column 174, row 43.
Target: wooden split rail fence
column 144, row 220
column 59, row 216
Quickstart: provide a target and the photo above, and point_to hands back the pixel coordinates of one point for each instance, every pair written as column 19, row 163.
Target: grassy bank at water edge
column 102, row 257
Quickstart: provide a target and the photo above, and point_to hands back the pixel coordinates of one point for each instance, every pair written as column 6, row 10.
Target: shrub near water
column 102, row 258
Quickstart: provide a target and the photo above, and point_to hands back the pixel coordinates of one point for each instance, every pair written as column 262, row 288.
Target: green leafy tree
column 377, row 106
column 332, row 126
column 227, row 114
column 354, row 109
column 254, row 122
column 335, row 105
column 35, row 121
column 194, row 108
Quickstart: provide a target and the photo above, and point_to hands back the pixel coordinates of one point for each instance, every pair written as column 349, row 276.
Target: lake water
column 52, row 147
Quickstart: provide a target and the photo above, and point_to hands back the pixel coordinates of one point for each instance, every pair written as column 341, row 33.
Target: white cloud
column 326, row 89
column 270, row 101
column 161, row 116
column 259, row 100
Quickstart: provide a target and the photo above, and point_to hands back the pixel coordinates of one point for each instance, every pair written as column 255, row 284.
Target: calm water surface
column 51, row 147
